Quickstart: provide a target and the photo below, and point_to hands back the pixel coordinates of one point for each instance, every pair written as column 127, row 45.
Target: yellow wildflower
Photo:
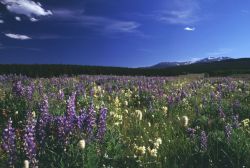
column 245, row 122
column 165, row 109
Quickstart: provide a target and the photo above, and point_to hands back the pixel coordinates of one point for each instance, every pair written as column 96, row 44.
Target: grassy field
column 122, row 121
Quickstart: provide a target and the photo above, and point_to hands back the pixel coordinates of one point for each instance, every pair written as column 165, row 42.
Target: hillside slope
column 222, row 68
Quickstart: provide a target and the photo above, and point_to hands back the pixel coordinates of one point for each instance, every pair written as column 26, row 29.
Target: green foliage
column 145, row 127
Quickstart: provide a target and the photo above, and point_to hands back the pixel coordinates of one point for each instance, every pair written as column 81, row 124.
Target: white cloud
column 33, row 19
column 17, row 36
column 18, row 18
column 25, row 7
column 183, row 12
column 1, row 21
column 189, row 28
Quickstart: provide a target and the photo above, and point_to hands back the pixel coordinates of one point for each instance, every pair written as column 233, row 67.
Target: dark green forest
column 222, row 68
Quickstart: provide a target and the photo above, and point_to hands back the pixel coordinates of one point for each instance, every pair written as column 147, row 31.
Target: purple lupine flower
column 170, row 100
column 71, row 107
column 80, row 89
column 29, row 92
column 18, row 89
column 44, row 106
column 235, row 119
column 59, row 125
column 221, row 113
column 228, row 131
column 69, row 126
column 8, row 143
column 102, row 123
column 91, row 120
column 30, row 141
column 212, row 96
column 183, row 94
column 65, row 124
column 60, row 95
column 43, row 120
column 40, row 88
column 219, row 88
column 203, row 141
column 71, row 119
column 81, row 119
column 62, row 130
column 191, row 132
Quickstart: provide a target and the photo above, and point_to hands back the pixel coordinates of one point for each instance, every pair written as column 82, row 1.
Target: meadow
column 123, row 121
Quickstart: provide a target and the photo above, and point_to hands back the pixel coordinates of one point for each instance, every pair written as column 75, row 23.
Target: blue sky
column 122, row 33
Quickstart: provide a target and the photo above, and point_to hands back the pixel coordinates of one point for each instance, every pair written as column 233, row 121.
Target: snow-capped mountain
column 168, row 64
column 204, row 60
column 212, row 59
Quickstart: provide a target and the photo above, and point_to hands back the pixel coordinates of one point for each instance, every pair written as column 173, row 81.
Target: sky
column 127, row 33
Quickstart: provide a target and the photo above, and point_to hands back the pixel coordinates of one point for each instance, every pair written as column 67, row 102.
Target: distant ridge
column 174, row 64
column 221, row 67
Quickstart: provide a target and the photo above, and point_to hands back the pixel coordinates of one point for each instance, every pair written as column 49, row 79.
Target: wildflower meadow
column 122, row 121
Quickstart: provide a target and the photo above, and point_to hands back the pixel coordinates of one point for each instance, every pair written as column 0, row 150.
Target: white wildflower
column 26, row 164
column 82, row 144
column 184, row 121
column 138, row 114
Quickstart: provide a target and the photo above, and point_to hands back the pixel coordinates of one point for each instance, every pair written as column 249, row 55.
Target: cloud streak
column 184, row 12
column 110, row 25
column 19, row 48
column 99, row 23
column 26, row 7
column 220, row 52
column 17, row 36
column 245, row 11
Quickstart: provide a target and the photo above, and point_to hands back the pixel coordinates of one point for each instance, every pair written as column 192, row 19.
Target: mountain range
column 162, row 65
column 211, row 66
